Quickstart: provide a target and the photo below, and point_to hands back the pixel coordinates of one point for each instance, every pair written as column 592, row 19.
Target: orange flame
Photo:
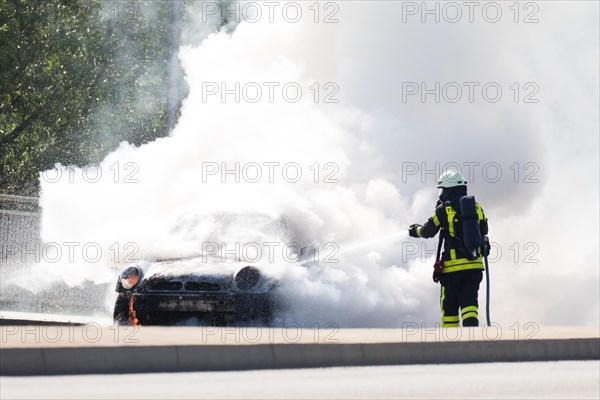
column 132, row 321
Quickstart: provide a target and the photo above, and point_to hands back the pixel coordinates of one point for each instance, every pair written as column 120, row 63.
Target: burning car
column 171, row 291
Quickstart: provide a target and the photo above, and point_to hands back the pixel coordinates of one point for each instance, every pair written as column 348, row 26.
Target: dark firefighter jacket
column 447, row 218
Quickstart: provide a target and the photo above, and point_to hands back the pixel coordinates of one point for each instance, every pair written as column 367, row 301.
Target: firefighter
column 460, row 271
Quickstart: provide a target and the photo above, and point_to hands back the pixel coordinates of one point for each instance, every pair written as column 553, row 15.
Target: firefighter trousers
column 459, row 293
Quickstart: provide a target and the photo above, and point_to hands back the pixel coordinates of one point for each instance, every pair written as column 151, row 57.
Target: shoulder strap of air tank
column 439, row 247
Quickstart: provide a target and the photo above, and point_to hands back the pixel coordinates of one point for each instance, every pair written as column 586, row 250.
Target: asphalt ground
column 530, row 380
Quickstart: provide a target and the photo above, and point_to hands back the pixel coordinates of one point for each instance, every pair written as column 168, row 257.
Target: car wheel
column 121, row 311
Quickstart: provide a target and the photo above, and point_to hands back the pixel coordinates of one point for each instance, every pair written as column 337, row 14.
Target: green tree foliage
column 76, row 79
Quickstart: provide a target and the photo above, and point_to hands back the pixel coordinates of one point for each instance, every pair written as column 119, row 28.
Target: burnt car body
column 167, row 292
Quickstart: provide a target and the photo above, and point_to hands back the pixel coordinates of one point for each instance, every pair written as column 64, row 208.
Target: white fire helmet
column 451, row 178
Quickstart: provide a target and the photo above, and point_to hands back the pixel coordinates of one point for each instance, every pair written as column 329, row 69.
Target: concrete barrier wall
column 175, row 358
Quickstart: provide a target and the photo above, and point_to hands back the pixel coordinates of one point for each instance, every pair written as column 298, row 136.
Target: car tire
column 121, row 310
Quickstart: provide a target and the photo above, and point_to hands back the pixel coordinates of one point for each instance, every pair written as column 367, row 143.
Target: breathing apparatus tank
column 472, row 237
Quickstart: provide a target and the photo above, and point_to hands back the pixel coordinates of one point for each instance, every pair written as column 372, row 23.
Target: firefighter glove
column 412, row 230
column 437, row 271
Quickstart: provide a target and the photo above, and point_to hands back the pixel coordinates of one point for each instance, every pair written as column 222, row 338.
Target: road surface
column 533, row 380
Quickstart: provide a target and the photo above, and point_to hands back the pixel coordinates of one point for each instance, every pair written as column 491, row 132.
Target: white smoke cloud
column 371, row 135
